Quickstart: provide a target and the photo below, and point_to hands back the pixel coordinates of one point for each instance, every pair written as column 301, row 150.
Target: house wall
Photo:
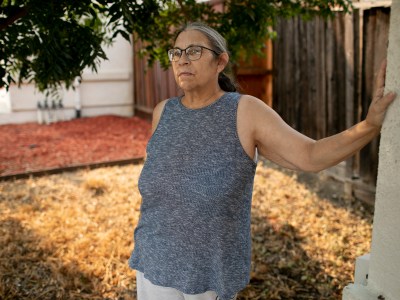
column 383, row 265
column 385, row 258
column 109, row 91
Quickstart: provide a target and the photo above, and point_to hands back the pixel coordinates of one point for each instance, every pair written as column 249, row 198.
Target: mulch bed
column 30, row 147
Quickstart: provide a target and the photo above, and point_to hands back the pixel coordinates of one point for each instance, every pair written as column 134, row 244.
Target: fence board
column 329, row 73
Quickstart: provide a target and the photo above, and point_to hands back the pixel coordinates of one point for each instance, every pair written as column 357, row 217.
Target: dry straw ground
column 69, row 236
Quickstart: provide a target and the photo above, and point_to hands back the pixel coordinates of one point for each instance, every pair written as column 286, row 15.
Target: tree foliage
column 51, row 42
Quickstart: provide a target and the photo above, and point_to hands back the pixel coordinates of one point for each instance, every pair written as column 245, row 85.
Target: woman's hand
column 380, row 102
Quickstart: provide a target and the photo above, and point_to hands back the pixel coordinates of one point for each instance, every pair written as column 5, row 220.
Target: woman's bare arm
column 157, row 115
column 280, row 143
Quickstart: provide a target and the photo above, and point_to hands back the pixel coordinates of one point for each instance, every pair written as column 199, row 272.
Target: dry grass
column 69, row 236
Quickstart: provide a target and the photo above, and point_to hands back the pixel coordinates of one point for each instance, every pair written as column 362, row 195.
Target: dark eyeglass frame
column 171, row 52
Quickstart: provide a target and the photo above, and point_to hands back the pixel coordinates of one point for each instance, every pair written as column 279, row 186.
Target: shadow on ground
column 28, row 271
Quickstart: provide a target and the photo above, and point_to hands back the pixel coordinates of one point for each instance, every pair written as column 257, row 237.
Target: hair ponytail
column 226, row 83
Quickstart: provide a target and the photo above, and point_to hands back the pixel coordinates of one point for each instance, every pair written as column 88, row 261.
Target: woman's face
column 197, row 74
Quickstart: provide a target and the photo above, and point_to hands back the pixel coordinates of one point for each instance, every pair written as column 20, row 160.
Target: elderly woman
column 193, row 238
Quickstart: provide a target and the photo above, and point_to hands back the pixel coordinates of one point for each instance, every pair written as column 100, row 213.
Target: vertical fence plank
column 321, row 80
column 296, row 73
column 304, row 79
column 349, row 80
column 358, row 64
column 329, row 77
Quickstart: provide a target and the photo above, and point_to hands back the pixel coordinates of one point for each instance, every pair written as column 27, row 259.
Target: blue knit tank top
column 196, row 186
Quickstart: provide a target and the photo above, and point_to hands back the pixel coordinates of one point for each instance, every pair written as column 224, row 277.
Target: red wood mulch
column 30, row 147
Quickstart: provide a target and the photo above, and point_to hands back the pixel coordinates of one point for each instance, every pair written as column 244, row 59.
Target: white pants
column 148, row 291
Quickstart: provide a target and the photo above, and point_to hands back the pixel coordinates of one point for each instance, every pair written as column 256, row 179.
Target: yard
column 69, row 235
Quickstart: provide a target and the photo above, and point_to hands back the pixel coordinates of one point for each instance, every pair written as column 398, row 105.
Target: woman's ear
column 223, row 60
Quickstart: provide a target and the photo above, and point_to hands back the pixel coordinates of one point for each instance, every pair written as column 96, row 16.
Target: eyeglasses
column 192, row 53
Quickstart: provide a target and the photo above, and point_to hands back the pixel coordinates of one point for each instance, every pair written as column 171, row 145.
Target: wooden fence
column 152, row 85
column 255, row 76
column 324, row 76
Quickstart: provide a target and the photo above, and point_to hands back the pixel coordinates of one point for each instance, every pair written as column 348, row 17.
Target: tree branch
column 19, row 13
column 184, row 11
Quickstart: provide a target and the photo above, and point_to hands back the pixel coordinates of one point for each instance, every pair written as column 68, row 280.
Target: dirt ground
column 68, row 236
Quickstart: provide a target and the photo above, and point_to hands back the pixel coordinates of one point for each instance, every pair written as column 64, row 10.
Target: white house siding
column 109, row 91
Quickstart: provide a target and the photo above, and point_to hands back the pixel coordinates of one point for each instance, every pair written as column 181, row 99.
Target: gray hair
column 219, row 45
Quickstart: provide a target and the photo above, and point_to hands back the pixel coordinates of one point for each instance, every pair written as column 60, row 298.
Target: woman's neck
column 198, row 99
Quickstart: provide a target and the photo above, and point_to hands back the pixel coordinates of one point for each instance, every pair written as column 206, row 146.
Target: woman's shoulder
column 255, row 112
column 159, row 107
column 157, row 112
column 250, row 104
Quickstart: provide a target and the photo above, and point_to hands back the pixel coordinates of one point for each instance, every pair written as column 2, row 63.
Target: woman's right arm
column 157, row 115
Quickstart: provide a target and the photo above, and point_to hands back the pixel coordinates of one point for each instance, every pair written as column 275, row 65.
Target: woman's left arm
column 280, row 143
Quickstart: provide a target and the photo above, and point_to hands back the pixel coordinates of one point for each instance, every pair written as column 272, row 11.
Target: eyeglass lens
column 192, row 53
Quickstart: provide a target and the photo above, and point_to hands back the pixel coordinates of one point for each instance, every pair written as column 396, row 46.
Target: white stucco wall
column 109, row 91
column 384, row 263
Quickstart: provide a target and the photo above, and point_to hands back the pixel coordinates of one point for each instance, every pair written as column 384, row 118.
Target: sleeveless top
column 196, row 186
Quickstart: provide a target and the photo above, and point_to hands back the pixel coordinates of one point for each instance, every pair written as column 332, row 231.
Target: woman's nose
column 183, row 59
